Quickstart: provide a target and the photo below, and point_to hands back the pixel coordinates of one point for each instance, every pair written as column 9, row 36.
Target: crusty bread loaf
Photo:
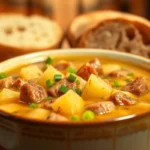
column 20, row 34
column 111, row 30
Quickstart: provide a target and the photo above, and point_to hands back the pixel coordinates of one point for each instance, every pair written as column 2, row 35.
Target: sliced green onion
column 49, row 83
column 106, row 77
column 33, row 105
column 75, row 118
column 63, row 89
column 116, row 84
column 88, row 115
column 131, row 74
column 49, row 60
column 123, row 68
column 3, row 75
column 77, row 82
column 78, row 91
column 101, row 97
column 71, row 70
column 72, row 78
column 57, row 77
column 128, row 80
column 49, row 98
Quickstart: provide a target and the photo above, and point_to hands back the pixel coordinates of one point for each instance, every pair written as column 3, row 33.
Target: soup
column 75, row 89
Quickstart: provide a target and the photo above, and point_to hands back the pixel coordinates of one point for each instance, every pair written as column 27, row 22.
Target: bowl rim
column 80, row 52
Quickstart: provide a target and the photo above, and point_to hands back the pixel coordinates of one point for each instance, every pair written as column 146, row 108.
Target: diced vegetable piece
column 49, row 60
column 71, row 70
column 49, row 83
column 95, row 88
column 30, row 72
column 88, row 115
column 75, row 118
column 38, row 113
column 72, row 78
column 10, row 108
column 63, row 89
column 57, row 77
column 69, row 104
column 49, row 98
column 108, row 68
column 48, row 75
column 116, row 83
column 33, row 105
column 7, row 95
column 3, row 75
column 79, row 81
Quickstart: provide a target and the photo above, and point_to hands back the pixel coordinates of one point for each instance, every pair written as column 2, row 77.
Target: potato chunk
column 48, row 74
column 69, row 104
column 7, row 95
column 96, row 88
column 108, row 68
column 38, row 113
column 30, row 72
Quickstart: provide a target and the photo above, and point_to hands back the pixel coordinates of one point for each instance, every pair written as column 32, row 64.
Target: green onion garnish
column 71, row 70
column 131, row 74
column 75, row 118
column 78, row 91
column 57, row 77
column 3, row 75
column 72, row 78
column 49, row 83
column 106, row 77
column 49, row 98
column 63, row 89
column 123, row 68
column 49, row 60
column 128, row 80
column 116, row 84
column 77, row 82
column 88, row 115
column 33, row 105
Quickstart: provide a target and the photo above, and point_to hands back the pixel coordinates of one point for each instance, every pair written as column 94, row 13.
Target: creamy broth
column 83, row 87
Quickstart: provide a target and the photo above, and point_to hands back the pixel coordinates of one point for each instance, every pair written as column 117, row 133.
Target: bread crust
column 86, row 22
column 8, row 51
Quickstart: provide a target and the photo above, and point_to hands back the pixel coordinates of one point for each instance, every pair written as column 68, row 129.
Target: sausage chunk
column 101, row 107
column 119, row 73
column 120, row 98
column 139, row 86
column 18, row 83
column 54, row 90
column 92, row 67
column 56, row 117
column 6, row 82
column 32, row 93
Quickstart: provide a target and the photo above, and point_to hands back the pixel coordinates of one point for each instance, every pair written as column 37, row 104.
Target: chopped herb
column 72, row 78
column 71, row 70
column 123, row 68
column 49, row 60
column 44, row 68
column 3, row 75
column 63, row 89
column 131, row 74
column 75, row 118
column 128, row 80
column 77, row 82
column 78, row 91
column 33, row 105
column 57, row 77
column 88, row 115
column 116, row 84
column 49, row 98
column 49, row 83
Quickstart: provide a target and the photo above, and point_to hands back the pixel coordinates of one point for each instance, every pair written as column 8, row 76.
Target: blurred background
column 65, row 10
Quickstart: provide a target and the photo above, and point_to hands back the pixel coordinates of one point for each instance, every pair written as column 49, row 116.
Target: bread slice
column 20, row 34
column 111, row 30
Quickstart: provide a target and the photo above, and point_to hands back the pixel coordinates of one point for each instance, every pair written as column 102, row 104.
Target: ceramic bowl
column 126, row 133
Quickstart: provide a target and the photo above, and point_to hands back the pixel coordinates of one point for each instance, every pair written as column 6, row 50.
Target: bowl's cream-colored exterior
column 128, row 133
